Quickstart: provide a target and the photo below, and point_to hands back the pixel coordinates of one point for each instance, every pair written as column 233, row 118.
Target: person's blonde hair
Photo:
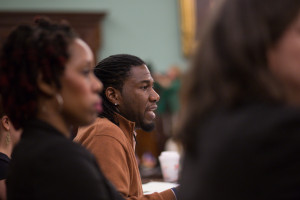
column 230, row 66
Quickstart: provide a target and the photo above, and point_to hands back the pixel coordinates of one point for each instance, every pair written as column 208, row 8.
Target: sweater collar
column 126, row 126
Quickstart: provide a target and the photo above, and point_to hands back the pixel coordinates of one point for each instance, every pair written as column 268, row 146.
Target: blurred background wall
column 149, row 29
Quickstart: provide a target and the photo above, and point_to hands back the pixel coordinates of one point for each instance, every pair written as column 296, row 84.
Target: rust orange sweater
column 113, row 147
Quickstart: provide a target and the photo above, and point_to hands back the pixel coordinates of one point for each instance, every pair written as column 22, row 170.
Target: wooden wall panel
column 87, row 25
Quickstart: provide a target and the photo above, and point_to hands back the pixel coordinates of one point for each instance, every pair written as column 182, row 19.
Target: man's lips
column 150, row 112
column 152, row 108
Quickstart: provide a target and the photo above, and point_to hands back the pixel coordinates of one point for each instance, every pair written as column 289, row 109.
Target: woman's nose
column 97, row 84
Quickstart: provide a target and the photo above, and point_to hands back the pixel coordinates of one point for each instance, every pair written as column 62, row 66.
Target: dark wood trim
column 87, row 24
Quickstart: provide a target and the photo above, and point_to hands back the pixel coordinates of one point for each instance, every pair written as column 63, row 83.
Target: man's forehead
column 139, row 74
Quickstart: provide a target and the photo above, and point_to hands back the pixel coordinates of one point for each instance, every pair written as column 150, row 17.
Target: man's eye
column 145, row 87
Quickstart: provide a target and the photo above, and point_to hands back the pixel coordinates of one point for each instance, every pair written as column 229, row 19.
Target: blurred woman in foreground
column 241, row 104
column 48, row 86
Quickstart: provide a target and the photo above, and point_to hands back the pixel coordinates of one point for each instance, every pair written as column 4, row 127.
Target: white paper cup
column 169, row 162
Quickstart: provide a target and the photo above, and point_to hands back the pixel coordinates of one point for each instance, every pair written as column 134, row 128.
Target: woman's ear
column 113, row 95
column 47, row 88
column 5, row 122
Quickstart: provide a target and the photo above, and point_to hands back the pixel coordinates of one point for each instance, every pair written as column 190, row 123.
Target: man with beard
column 129, row 102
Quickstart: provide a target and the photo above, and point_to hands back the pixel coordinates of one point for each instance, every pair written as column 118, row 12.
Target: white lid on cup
column 169, row 154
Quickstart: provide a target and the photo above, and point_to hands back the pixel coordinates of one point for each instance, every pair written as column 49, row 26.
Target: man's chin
column 148, row 127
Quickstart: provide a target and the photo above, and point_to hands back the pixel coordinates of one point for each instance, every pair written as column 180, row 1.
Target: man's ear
column 47, row 88
column 5, row 122
column 113, row 95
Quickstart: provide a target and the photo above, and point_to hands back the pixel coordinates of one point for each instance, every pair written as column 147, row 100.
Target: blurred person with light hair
column 240, row 121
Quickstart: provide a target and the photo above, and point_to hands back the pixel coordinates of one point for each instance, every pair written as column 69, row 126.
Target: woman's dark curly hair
column 1, row 108
column 113, row 71
column 31, row 51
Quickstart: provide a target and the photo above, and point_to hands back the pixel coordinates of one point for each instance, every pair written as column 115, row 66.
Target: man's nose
column 154, row 96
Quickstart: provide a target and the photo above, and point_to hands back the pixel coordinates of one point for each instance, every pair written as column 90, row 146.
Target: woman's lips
column 98, row 106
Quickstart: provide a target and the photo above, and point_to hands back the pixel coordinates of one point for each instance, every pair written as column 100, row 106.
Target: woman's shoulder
column 250, row 123
column 260, row 114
